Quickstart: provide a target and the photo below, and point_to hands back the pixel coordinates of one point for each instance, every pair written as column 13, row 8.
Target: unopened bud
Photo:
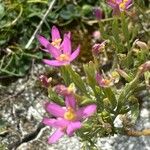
column 63, row 90
column 145, row 67
column 142, row 45
column 106, row 102
column 97, row 48
column 123, row 74
column 97, row 13
column 44, row 80
column 96, row 35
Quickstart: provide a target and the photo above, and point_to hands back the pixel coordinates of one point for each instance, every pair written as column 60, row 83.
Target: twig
column 145, row 132
column 40, row 24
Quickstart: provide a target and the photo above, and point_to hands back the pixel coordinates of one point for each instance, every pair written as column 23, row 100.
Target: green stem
column 8, row 63
column 31, row 55
column 11, row 73
column 125, row 30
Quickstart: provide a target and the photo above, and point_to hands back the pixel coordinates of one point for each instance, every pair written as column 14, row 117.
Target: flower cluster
column 78, row 98
column 65, row 119
column 59, row 49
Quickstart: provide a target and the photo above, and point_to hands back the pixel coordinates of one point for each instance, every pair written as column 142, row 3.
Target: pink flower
column 109, row 80
column 119, row 5
column 62, row 56
column 103, row 82
column 68, row 119
column 56, row 39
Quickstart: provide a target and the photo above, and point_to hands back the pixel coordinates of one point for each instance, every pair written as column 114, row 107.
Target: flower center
column 56, row 43
column 106, row 82
column 70, row 114
column 63, row 57
column 122, row 5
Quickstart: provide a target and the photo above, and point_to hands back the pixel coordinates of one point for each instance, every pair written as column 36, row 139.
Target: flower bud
column 63, row 90
column 96, row 35
column 107, row 103
column 142, row 45
column 97, row 48
column 44, row 80
column 97, row 13
column 145, row 67
column 123, row 74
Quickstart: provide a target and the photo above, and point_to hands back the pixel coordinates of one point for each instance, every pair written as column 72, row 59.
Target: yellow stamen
column 63, row 57
column 56, row 43
column 115, row 74
column 107, row 81
column 70, row 114
column 70, row 89
column 122, row 5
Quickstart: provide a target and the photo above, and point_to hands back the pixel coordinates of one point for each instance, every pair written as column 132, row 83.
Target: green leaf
column 55, row 97
column 125, row 30
column 65, row 15
column 76, row 79
column 115, row 32
column 2, row 11
column 86, row 101
column 111, row 96
column 65, row 75
column 90, row 70
column 134, row 109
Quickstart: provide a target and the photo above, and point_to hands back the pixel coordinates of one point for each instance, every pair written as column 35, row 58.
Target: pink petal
column 70, row 101
column 45, row 50
column 118, row 1
column 53, row 50
column 55, row 136
column 111, row 3
column 69, row 35
column 57, row 123
column 55, row 33
column 75, row 53
column 54, row 62
column 129, row 4
column 54, row 109
column 43, row 41
column 99, row 80
column 60, row 122
column 49, row 122
column 72, row 127
column 86, row 111
column 66, row 45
